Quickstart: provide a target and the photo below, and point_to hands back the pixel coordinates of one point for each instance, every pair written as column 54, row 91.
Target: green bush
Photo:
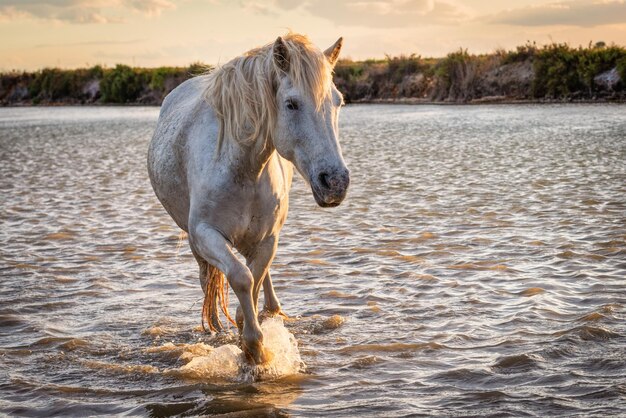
column 400, row 67
column 384, row 79
column 561, row 70
column 555, row 71
column 353, row 79
column 522, row 53
column 447, row 69
column 54, row 84
column 164, row 79
column 121, row 84
column 348, row 70
column 95, row 72
column 159, row 75
column 198, row 68
column 621, row 69
column 595, row 60
column 453, row 74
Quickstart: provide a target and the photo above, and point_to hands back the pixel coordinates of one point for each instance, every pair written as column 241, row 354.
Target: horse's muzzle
column 331, row 187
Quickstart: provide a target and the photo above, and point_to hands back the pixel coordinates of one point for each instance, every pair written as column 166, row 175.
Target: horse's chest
column 261, row 207
column 266, row 215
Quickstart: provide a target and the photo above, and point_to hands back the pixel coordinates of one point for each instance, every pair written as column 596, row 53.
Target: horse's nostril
column 323, row 178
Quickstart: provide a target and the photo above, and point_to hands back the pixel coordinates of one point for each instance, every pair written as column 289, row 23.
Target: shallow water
column 477, row 267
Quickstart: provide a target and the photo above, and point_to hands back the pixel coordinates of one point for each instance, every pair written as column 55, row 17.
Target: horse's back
column 167, row 154
column 184, row 97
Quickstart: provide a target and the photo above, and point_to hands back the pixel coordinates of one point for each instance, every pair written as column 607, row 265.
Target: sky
column 78, row 33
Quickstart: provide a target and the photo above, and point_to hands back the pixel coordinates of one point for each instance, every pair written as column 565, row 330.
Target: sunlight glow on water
column 476, row 267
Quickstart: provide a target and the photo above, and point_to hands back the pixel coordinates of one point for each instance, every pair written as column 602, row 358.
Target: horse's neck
column 250, row 160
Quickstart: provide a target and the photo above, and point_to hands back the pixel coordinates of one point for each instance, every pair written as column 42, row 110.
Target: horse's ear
column 332, row 53
column 281, row 56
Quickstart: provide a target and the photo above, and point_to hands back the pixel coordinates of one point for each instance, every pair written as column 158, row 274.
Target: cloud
column 90, row 43
column 80, row 11
column 288, row 4
column 258, row 8
column 379, row 13
column 583, row 13
column 151, row 7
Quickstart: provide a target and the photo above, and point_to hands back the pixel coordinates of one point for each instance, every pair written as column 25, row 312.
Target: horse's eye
column 292, row 105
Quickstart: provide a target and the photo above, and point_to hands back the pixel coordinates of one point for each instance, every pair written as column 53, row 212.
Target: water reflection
column 475, row 268
column 260, row 399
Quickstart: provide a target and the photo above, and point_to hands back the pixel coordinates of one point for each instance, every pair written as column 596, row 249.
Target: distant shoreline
column 400, row 101
column 555, row 73
column 488, row 101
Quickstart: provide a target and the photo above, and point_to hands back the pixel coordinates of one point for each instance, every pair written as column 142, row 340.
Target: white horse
column 220, row 162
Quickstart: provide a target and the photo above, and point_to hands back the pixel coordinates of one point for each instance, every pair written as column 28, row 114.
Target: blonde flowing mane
column 242, row 92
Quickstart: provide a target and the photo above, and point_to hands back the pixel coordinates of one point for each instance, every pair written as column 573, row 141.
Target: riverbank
column 553, row 73
column 491, row 101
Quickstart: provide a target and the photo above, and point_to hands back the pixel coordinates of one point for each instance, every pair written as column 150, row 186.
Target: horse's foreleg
column 271, row 305
column 214, row 248
column 259, row 264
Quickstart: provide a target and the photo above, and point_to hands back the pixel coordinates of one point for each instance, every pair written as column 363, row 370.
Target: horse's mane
column 242, row 92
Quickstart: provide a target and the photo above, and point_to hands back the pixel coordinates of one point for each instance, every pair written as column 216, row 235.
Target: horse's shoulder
column 186, row 96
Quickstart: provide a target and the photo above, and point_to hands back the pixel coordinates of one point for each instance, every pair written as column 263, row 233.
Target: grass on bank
column 558, row 71
column 554, row 71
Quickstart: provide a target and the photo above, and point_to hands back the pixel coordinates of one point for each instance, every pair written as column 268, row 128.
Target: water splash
column 283, row 345
column 227, row 362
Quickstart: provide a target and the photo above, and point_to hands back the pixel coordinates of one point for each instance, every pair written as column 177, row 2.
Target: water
column 476, row 268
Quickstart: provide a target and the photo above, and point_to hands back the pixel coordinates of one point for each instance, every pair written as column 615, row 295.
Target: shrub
column 348, row 77
column 198, row 68
column 54, row 84
column 95, row 72
column 402, row 66
column 621, row 69
column 159, row 75
column 522, row 53
column 556, row 74
column 453, row 74
column 561, row 70
column 121, row 84
column 595, row 60
column 558, row 71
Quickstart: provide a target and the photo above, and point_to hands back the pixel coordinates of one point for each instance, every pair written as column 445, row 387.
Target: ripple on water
column 531, row 291
column 11, row 321
column 587, row 333
column 475, row 268
column 364, row 362
column 519, row 363
column 390, row 348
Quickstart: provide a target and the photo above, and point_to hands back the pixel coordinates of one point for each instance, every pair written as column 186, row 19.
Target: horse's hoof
column 271, row 313
column 258, row 355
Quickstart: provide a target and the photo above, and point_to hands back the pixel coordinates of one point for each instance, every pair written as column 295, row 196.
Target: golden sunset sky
column 79, row 33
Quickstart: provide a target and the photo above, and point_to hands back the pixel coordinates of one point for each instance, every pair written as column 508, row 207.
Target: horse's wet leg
column 251, row 336
column 271, row 306
column 259, row 266
column 239, row 319
column 213, row 247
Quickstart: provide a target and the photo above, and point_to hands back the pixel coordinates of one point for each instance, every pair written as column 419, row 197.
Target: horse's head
column 307, row 125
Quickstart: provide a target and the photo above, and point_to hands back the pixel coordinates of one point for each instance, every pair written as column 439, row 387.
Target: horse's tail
column 216, row 294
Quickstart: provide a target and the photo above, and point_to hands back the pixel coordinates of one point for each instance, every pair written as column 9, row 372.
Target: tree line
column 530, row 72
